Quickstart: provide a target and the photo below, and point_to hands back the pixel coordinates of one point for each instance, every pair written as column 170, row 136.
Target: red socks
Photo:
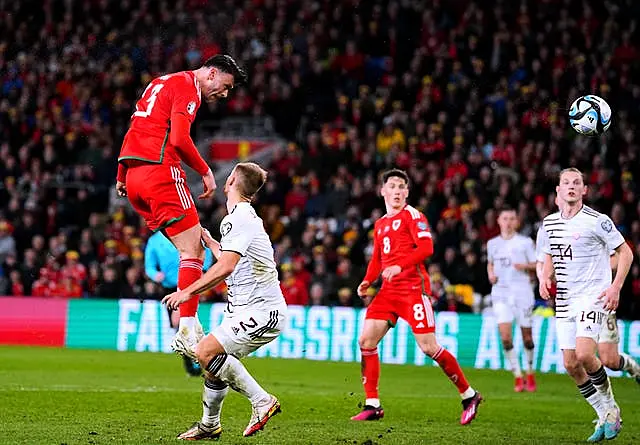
column 451, row 368
column 190, row 271
column 370, row 372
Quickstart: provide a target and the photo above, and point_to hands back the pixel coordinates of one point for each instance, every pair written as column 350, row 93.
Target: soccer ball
column 590, row 115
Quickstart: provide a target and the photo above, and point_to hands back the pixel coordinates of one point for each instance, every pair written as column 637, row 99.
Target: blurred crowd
column 469, row 98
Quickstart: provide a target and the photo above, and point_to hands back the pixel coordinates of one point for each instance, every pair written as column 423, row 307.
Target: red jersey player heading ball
column 402, row 242
column 150, row 171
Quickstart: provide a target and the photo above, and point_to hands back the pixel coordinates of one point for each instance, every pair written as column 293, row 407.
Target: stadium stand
column 469, row 97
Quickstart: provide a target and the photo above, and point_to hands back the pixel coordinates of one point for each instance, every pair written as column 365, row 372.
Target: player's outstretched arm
column 214, row 276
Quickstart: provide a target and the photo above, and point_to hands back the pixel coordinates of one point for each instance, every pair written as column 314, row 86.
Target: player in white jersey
column 608, row 343
column 511, row 257
column 255, row 311
column 577, row 242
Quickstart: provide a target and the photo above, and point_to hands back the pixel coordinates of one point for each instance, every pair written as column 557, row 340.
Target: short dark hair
column 395, row 173
column 252, row 178
column 226, row 64
column 506, row 208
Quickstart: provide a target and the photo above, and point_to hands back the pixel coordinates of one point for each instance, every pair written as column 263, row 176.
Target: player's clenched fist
column 362, row 288
column 121, row 189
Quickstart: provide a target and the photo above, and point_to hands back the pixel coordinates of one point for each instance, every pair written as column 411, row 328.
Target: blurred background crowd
column 469, row 98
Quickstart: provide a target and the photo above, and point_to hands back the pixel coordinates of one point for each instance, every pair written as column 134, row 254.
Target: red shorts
column 413, row 307
column 159, row 193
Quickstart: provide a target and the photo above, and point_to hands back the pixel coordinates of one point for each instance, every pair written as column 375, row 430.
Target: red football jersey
column 148, row 135
column 395, row 239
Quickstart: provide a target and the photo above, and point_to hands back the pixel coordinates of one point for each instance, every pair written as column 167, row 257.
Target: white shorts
column 241, row 333
column 584, row 320
column 609, row 333
column 506, row 313
column 514, row 304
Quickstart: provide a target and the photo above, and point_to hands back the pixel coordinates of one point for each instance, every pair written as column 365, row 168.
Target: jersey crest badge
column 396, row 224
column 606, row 226
column 191, row 107
column 225, row 229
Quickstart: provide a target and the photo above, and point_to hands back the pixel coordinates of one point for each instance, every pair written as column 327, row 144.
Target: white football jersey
column 254, row 281
column 503, row 254
column 580, row 248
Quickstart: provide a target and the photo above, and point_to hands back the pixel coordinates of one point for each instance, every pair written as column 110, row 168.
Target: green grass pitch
column 58, row 396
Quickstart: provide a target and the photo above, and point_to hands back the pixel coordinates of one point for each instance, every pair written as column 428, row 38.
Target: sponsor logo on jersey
column 606, row 226
column 191, row 107
column 396, row 224
column 420, row 325
column 386, row 229
column 225, row 228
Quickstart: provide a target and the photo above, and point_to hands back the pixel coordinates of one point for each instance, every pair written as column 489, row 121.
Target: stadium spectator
column 461, row 95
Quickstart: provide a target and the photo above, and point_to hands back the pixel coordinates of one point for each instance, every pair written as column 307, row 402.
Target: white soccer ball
column 590, row 115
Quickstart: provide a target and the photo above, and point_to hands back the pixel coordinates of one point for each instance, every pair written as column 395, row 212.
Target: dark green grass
column 56, row 396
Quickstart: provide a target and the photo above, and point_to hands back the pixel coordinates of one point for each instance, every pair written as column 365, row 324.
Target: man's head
column 246, row 178
column 507, row 220
column 571, row 187
column 395, row 188
column 220, row 74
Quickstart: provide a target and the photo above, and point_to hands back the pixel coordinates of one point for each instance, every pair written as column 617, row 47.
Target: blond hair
column 571, row 170
column 251, row 177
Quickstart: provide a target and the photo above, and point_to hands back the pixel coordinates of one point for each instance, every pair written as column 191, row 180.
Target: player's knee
column 204, row 357
column 430, row 349
column 583, row 357
column 507, row 345
column 528, row 344
column 572, row 366
column 366, row 342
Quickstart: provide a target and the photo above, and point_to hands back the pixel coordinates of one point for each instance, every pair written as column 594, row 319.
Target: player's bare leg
column 450, row 366
column 529, row 348
column 372, row 332
column 226, row 368
column 586, row 355
column 612, row 358
column 191, row 261
column 587, row 390
column 506, row 336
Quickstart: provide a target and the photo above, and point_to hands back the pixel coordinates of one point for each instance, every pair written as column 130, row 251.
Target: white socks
column 230, row 370
column 373, row 402
column 212, row 398
column 594, row 398
column 187, row 322
column 513, row 360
